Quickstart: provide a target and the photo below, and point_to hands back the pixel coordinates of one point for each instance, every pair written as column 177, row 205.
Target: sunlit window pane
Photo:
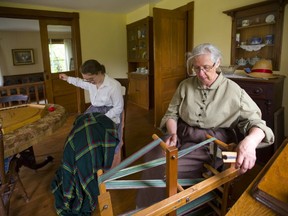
column 57, row 57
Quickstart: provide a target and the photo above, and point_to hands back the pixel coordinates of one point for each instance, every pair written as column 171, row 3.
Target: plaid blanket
column 89, row 147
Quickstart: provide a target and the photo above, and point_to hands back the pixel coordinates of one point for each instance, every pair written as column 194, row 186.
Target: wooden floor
column 139, row 127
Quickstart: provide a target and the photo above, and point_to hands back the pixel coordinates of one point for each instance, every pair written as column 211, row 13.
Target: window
column 59, row 55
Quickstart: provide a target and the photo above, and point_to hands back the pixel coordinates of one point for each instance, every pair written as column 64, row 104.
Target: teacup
column 253, row 60
column 241, row 62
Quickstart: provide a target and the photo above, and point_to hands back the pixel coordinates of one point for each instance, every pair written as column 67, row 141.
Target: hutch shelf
column 257, row 33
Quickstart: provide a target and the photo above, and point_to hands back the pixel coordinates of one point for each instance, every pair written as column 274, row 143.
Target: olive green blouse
column 223, row 105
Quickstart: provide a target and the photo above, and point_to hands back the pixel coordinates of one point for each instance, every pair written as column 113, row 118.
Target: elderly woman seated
column 207, row 103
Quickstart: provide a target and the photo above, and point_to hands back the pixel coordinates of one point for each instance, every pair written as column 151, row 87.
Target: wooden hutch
column 140, row 62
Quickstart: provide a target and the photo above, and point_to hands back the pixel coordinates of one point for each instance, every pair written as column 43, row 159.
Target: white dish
column 270, row 18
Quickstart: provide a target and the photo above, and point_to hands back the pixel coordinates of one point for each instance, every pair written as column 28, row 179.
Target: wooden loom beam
column 182, row 198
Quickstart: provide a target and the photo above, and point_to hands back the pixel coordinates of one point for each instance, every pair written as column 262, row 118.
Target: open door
column 61, row 54
column 170, row 45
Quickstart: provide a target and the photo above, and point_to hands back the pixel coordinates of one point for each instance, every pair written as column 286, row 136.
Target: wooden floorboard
column 139, row 129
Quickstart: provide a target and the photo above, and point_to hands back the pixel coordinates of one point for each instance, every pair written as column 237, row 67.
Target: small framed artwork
column 22, row 56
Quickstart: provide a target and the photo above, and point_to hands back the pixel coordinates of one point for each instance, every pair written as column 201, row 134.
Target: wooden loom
column 18, row 116
column 177, row 196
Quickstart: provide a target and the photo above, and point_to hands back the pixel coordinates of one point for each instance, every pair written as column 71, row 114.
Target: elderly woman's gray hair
column 202, row 49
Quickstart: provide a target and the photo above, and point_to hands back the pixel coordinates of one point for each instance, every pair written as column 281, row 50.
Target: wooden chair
column 8, row 180
column 10, row 100
column 125, row 83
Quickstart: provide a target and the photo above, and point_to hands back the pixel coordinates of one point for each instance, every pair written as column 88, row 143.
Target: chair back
column 11, row 100
column 125, row 83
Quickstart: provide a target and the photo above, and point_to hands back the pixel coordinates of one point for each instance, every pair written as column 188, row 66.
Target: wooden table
column 31, row 130
column 271, row 179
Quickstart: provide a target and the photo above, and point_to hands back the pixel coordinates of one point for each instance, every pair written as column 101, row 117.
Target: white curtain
column 68, row 52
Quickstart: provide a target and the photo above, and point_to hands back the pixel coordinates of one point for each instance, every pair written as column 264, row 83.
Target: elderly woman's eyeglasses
column 205, row 68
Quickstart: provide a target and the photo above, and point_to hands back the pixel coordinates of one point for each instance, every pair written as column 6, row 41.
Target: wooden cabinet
column 140, row 62
column 139, row 90
column 268, row 95
column 257, row 33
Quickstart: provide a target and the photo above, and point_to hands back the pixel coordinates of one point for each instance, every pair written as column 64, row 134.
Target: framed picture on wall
column 23, row 56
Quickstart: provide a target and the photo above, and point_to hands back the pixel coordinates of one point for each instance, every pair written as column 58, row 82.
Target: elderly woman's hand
column 172, row 140
column 246, row 156
column 246, row 150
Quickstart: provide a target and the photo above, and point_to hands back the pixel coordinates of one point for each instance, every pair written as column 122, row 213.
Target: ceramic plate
column 270, row 18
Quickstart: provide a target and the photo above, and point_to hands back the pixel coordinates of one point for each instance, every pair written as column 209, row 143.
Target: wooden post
column 104, row 199
column 171, row 170
column 171, row 173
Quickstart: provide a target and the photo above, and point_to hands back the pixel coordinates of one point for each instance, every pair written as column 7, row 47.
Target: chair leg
column 225, row 198
column 6, row 193
column 3, row 210
column 14, row 169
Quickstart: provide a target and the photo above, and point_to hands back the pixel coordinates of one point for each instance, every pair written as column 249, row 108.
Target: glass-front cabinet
column 257, row 33
column 140, row 62
column 138, row 40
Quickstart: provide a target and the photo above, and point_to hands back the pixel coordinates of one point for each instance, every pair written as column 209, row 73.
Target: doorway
column 52, row 23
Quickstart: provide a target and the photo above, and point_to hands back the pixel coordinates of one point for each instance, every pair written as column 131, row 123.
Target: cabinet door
column 132, row 43
column 138, row 34
column 139, row 90
column 143, row 41
column 143, row 93
column 133, row 90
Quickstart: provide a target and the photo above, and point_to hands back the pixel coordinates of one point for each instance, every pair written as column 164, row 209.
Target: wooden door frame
column 20, row 13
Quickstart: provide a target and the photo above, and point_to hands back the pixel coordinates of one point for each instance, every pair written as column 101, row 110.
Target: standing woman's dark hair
column 93, row 67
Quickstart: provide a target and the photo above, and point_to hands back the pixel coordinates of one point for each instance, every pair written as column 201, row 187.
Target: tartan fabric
column 89, row 147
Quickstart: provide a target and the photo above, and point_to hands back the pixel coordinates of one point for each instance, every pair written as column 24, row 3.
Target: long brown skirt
column 190, row 166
